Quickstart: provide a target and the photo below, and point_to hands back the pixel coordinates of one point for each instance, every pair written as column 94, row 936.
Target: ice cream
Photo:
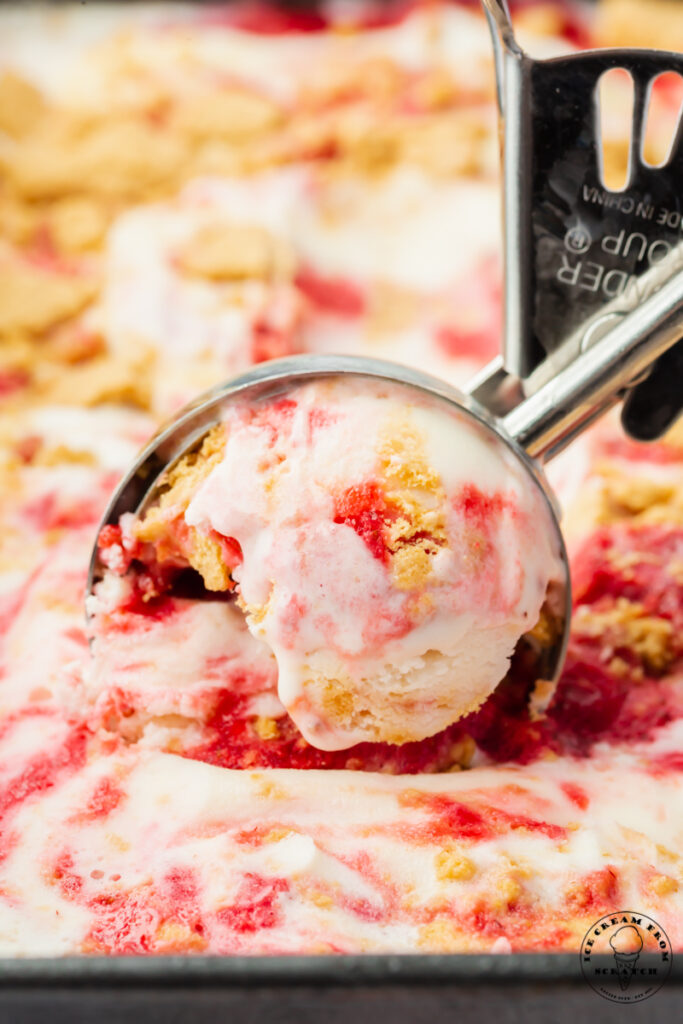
column 155, row 795
column 385, row 546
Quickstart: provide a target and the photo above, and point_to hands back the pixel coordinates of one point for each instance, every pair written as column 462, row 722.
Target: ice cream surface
column 164, row 226
column 385, row 546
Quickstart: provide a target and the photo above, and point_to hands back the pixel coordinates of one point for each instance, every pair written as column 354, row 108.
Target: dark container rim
column 363, row 970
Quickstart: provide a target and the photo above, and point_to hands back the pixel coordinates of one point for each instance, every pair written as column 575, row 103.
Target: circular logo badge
column 577, row 240
column 626, row 957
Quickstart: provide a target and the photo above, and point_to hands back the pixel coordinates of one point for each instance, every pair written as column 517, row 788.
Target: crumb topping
column 627, row 625
column 235, row 252
column 161, row 524
column 415, row 489
column 32, row 301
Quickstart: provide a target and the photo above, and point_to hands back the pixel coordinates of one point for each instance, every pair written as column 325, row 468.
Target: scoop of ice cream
column 627, row 940
column 387, row 548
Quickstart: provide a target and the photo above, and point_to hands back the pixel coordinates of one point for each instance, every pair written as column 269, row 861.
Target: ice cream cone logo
column 626, row 943
column 626, row 956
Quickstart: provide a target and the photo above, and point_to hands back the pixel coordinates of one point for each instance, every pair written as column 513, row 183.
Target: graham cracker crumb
column 414, row 487
column 18, row 221
column 266, row 728
column 118, row 842
column 461, row 753
column 61, row 454
column 266, row 789
column 508, row 890
column 78, row 224
column 624, row 495
column 411, row 566
column 184, row 478
column 541, row 20
column 322, row 900
column 662, row 885
column 337, row 701
column 21, row 104
column 174, row 936
column 440, row 936
column 581, row 894
column 276, row 835
column 32, row 300
column 435, row 89
column 206, row 556
column 106, row 378
column 235, row 252
column 120, row 159
column 667, row 854
column 627, row 624
column 234, row 115
column 445, row 144
column 631, row 23
column 159, row 525
column 453, row 866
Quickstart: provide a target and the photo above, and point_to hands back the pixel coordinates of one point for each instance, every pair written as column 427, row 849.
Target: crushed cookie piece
column 234, row 115
column 32, row 300
column 413, row 487
column 203, row 552
column 235, row 252
column 114, row 159
column 627, row 23
column 178, row 937
column 321, row 899
column 207, row 558
column 462, row 753
column 629, row 496
column 184, row 478
column 451, row 865
column 627, row 625
column 77, row 224
column 266, row 728
column 445, row 144
column 61, row 454
column 662, row 885
column 71, row 343
column 440, row 936
column 106, row 378
column 410, row 567
column 22, row 105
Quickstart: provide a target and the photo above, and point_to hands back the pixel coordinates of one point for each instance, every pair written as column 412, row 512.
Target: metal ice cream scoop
column 568, row 356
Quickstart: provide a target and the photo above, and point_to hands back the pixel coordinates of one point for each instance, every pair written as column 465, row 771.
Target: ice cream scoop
column 384, row 542
column 387, row 547
column 339, row 692
column 345, row 672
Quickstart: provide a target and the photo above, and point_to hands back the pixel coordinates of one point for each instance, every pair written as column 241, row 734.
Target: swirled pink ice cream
column 387, row 549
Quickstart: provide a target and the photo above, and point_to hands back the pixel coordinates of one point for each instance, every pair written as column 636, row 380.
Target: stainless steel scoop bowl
column 140, row 487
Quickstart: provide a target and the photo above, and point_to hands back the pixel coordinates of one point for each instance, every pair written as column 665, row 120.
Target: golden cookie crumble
column 69, row 170
column 235, row 252
column 163, row 526
column 414, row 488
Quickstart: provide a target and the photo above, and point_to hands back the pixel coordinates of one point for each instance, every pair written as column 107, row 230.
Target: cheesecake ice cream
column 386, row 548
column 185, row 192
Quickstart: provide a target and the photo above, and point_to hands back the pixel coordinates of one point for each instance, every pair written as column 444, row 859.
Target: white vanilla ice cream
column 392, row 554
